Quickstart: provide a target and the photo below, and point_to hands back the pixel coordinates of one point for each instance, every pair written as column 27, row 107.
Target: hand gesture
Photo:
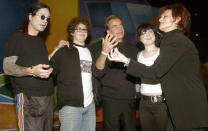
column 108, row 43
column 117, row 56
column 41, row 70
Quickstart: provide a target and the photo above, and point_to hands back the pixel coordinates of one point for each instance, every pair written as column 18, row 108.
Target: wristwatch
column 127, row 63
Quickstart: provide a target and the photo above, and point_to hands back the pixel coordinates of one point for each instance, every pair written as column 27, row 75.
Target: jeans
column 78, row 118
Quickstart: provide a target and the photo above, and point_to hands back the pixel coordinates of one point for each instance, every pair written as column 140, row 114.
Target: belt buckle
column 154, row 99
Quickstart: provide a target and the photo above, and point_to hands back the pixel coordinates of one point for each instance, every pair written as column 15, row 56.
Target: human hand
column 41, row 70
column 108, row 43
column 117, row 56
column 62, row 43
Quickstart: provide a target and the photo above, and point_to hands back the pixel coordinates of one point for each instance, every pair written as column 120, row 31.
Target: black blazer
column 177, row 69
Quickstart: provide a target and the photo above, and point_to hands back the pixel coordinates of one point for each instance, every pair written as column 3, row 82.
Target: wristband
column 104, row 53
column 127, row 64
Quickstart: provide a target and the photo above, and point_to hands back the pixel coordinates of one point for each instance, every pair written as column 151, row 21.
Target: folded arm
column 11, row 68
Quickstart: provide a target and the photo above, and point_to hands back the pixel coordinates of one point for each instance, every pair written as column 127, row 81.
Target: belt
column 154, row 99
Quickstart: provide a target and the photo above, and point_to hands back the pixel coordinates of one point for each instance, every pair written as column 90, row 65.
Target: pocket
column 35, row 106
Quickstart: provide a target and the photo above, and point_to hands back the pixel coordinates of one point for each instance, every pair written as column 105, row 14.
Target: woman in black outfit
column 177, row 68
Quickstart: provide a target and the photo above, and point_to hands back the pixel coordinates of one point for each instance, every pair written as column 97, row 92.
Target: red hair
column 178, row 10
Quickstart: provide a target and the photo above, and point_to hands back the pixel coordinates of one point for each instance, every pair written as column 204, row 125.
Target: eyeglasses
column 43, row 17
column 80, row 30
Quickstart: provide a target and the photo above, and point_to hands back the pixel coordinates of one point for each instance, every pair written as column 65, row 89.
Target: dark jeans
column 171, row 127
column 34, row 113
column 153, row 116
column 119, row 115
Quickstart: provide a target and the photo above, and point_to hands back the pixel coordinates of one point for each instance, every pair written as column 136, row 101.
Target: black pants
column 153, row 116
column 171, row 127
column 119, row 115
column 34, row 113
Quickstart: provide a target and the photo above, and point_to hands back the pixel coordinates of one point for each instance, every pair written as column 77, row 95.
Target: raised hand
column 108, row 43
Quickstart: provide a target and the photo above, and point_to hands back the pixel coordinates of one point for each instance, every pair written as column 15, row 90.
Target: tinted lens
column 48, row 19
column 43, row 18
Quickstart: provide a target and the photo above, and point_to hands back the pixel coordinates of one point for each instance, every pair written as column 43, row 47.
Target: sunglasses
column 43, row 17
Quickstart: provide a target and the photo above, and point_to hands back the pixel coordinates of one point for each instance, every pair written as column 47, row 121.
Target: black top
column 30, row 51
column 66, row 64
column 177, row 68
column 116, row 83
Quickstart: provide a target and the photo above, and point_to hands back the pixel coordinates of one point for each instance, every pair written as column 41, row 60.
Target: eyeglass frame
column 81, row 30
column 43, row 17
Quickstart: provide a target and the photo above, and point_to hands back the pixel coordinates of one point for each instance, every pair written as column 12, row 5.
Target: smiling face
column 147, row 37
column 80, row 34
column 37, row 23
column 167, row 22
column 115, row 27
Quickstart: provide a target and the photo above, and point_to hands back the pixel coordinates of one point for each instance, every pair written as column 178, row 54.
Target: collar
column 79, row 45
column 173, row 32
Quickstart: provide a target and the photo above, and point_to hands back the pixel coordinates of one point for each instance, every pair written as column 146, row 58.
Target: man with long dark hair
column 26, row 62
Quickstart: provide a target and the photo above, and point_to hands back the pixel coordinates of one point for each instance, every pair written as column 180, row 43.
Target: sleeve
column 12, row 46
column 170, row 53
column 99, row 73
column 54, row 63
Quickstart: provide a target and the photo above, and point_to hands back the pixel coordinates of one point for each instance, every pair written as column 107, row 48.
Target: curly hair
column 178, row 10
column 73, row 25
column 143, row 27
